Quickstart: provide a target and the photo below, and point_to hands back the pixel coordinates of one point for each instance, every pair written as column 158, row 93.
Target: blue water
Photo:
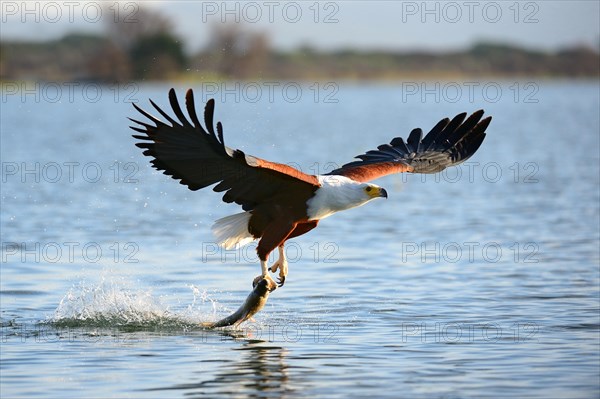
column 480, row 282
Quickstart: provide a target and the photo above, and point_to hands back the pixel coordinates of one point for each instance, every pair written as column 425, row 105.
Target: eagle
column 278, row 201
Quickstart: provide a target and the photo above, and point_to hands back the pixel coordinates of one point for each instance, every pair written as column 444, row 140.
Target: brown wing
column 449, row 143
column 187, row 152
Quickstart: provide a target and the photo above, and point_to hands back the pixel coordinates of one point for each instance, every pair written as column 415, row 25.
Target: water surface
column 482, row 282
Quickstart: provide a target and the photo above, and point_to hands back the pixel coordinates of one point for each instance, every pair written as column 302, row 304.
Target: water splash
column 114, row 302
column 204, row 296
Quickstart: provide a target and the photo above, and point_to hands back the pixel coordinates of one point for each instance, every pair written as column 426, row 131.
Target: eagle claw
column 282, row 265
column 281, row 281
column 271, row 284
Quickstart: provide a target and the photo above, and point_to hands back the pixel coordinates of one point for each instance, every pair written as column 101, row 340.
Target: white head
column 338, row 193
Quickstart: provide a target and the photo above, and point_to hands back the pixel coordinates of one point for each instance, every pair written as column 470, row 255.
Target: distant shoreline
column 87, row 58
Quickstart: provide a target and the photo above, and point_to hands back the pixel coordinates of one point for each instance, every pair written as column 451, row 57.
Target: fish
column 256, row 300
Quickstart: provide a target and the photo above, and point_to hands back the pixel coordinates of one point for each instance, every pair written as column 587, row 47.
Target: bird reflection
column 264, row 369
column 260, row 371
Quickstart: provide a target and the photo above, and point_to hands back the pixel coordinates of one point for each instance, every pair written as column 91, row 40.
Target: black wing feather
column 449, row 143
column 199, row 158
column 434, row 133
column 208, row 117
column 154, row 119
column 399, row 144
column 191, row 108
column 177, row 109
column 414, row 139
column 164, row 114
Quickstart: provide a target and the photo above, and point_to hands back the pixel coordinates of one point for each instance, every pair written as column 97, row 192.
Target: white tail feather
column 232, row 231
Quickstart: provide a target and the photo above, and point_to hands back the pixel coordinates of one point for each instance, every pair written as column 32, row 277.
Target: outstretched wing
column 187, row 152
column 449, row 143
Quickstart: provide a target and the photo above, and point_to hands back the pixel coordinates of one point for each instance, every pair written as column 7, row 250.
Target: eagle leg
column 265, row 274
column 282, row 265
column 274, row 236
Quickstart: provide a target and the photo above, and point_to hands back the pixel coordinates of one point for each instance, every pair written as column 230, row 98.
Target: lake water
column 480, row 282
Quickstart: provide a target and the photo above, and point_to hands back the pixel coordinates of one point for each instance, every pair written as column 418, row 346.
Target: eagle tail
column 232, row 231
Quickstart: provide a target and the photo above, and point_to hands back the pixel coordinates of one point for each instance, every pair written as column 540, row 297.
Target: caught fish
column 255, row 301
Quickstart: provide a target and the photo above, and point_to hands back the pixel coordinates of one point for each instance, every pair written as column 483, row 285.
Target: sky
column 387, row 25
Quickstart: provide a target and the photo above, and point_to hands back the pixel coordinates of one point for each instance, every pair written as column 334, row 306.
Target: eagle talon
column 282, row 265
column 271, row 284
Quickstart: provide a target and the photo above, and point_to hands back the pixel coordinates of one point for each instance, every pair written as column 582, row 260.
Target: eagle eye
column 368, row 188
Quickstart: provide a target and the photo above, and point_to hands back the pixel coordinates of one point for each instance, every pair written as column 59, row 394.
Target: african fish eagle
column 279, row 201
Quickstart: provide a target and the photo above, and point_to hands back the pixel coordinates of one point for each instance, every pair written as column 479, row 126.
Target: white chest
column 337, row 193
